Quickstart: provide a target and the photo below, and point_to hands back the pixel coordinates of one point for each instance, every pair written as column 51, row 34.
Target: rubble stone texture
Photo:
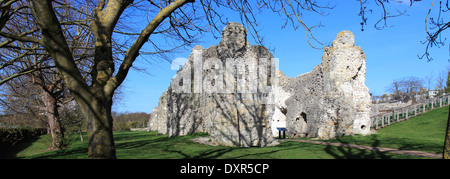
column 234, row 92
column 332, row 100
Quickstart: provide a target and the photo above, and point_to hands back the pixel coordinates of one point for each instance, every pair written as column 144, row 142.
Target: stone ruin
column 234, row 92
column 332, row 100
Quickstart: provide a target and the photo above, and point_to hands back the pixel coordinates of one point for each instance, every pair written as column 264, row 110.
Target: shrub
column 11, row 136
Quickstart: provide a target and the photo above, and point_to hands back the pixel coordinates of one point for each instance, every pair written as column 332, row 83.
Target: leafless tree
column 440, row 81
column 404, row 89
column 26, row 62
column 396, row 88
column 429, row 79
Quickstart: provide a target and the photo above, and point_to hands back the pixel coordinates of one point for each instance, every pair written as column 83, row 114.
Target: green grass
column 144, row 145
column 425, row 133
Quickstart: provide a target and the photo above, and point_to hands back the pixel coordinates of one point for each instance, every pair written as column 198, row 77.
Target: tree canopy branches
column 86, row 40
column 435, row 29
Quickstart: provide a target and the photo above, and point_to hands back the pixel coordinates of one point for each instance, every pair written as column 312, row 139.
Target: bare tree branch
column 435, row 38
column 133, row 52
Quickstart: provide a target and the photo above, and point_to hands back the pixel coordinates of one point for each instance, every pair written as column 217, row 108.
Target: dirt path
column 381, row 149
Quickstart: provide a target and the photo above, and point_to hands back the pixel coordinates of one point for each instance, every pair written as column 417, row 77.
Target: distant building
column 432, row 93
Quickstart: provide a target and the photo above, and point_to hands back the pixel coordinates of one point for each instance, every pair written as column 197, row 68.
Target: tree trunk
column 446, row 153
column 99, row 124
column 54, row 123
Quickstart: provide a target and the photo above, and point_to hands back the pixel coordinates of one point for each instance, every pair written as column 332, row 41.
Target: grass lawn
column 144, row 145
column 425, row 133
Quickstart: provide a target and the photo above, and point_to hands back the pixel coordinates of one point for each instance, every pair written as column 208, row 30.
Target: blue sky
column 391, row 53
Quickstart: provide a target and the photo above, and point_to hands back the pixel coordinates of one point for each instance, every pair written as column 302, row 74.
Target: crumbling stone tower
column 332, row 100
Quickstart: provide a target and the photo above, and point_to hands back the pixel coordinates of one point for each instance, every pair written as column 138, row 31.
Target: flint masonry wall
column 236, row 95
column 332, row 100
column 221, row 90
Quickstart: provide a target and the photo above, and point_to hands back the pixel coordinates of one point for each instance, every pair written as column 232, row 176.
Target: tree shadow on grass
column 79, row 152
column 208, row 154
column 344, row 152
column 140, row 143
column 217, row 153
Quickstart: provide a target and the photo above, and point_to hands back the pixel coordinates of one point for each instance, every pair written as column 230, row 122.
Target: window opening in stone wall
column 304, row 117
column 283, row 110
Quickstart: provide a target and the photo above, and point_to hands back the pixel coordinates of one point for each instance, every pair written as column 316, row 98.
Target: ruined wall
column 233, row 91
column 221, row 90
column 332, row 100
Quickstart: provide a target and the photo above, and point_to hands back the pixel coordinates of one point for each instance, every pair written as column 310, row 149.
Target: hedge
column 11, row 136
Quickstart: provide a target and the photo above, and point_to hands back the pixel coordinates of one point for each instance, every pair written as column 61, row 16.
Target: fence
column 402, row 113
